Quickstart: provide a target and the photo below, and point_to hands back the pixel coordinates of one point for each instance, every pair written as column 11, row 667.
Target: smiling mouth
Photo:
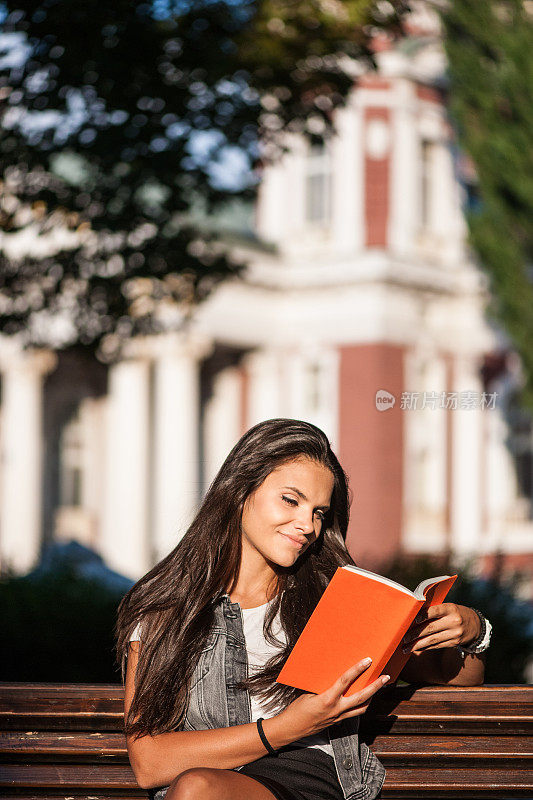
column 299, row 543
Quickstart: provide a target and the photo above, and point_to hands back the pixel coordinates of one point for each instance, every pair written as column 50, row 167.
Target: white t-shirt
column 259, row 652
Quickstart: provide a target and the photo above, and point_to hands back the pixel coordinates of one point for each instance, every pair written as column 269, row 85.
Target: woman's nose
column 305, row 525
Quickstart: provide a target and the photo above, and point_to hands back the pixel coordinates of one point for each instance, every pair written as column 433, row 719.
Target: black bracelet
column 264, row 739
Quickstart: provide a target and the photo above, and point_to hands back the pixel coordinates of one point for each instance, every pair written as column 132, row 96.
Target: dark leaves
column 119, row 119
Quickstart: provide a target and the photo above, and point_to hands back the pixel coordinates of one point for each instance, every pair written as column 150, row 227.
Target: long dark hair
column 175, row 601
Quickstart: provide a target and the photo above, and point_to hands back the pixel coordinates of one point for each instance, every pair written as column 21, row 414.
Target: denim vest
column 215, row 701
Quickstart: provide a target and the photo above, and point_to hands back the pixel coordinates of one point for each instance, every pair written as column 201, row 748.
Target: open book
column 360, row 614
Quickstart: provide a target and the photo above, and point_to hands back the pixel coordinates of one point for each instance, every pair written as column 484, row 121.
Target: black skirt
column 299, row 773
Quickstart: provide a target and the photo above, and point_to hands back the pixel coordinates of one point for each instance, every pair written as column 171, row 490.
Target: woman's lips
column 299, row 543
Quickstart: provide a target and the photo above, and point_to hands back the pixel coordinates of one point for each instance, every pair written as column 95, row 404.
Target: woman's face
column 283, row 517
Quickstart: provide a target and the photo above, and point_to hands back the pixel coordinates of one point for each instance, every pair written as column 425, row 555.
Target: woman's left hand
column 442, row 626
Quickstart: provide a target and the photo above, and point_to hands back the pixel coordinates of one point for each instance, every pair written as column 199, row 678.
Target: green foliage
column 512, row 619
column 57, row 627
column 117, row 117
column 490, row 51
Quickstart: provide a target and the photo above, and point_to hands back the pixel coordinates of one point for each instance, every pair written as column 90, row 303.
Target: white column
column 326, row 416
column 348, row 188
column 295, row 190
column 22, row 454
column 264, row 390
column 176, row 439
column 293, row 378
column 405, row 179
column 125, row 539
column 270, row 209
column 466, row 463
column 93, row 417
column 425, row 453
column 444, row 219
column 309, row 386
column 222, row 420
column 441, row 173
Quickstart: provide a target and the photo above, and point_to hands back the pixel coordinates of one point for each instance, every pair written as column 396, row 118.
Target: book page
column 382, row 579
column 425, row 590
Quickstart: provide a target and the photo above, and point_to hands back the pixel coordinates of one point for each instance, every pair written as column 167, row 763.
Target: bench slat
column 112, row 746
column 67, row 775
column 35, row 793
column 427, row 781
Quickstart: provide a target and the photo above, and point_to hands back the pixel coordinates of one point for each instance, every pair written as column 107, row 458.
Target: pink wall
column 371, row 449
column 377, row 188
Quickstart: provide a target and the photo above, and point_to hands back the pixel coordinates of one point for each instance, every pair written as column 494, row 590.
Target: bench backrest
column 59, row 741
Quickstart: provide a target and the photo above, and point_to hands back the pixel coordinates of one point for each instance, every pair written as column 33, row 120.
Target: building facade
column 361, row 311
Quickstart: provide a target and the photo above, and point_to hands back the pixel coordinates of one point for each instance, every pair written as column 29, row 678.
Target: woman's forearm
column 157, row 760
column 446, row 667
column 458, row 670
column 432, row 642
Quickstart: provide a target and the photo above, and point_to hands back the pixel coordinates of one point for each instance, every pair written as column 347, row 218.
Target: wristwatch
column 482, row 642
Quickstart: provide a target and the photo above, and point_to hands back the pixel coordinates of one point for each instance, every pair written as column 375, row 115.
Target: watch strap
column 482, row 642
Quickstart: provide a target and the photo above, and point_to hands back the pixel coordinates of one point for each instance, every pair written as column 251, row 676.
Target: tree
column 490, row 52
column 118, row 117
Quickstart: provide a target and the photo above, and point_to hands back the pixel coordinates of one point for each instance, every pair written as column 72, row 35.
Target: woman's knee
column 197, row 783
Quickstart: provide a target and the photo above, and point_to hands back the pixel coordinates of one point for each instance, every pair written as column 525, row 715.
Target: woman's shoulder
column 136, row 636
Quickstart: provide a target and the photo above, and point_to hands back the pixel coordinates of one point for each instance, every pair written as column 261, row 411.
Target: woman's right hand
column 311, row 713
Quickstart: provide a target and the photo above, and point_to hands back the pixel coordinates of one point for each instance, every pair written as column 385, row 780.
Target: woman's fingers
column 348, row 677
column 314, row 712
column 356, row 704
column 337, row 691
column 442, row 626
column 444, row 632
column 437, row 641
column 362, row 697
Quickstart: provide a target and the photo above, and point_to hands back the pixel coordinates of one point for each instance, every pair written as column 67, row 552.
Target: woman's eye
column 320, row 515
column 290, row 500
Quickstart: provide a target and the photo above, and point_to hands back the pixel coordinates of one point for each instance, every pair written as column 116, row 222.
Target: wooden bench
column 66, row 741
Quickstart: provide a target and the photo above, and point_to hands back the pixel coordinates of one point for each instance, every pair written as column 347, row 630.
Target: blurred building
column 361, row 311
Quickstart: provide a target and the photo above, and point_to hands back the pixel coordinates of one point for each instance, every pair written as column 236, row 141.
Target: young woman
column 206, row 632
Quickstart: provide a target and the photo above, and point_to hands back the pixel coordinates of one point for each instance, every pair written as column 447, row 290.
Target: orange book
column 360, row 614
